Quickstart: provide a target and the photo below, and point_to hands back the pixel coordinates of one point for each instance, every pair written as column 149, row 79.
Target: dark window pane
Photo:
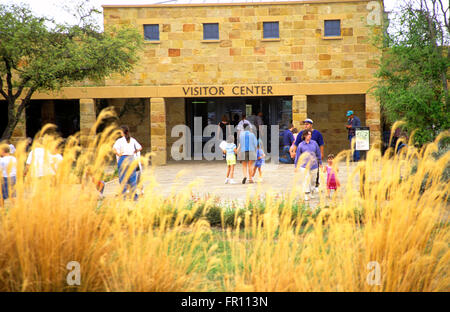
column 332, row 28
column 151, row 32
column 271, row 30
column 211, row 31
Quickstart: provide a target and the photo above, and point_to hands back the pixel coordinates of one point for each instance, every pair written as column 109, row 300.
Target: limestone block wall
column 136, row 119
column 373, row 115
column 87, row 119
column 329, row 115
column 158, row 129
column 299, row 111
column 241, row 55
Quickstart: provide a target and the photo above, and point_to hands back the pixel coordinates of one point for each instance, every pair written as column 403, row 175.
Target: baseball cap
column 308, row 121
column 349, row 113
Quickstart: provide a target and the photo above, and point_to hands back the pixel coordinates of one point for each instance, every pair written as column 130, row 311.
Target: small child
column 332, row 179
column 259, row 160
column 8, row 168
column 89, row 178
column 230, row 151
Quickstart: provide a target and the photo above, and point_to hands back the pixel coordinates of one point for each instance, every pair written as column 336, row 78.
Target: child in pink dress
column 332, row 179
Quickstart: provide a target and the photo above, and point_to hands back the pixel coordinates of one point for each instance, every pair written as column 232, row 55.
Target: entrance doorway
column 65, row 114
column 275, row 111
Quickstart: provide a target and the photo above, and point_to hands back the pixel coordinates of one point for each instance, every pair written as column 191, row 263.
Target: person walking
column 39, row 160
column 332, row 180
column 126, row 148
column 352, row 122
column 259, row 123
column 308, row 150
column 316, row 136
column 288, row 140
column 230, row 151
column 241, row 125
column 259, row 161
column 247, row 152
column 222, row 128
column 8, row 168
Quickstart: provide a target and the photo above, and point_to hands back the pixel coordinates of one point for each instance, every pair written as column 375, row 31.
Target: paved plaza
column 209, row 177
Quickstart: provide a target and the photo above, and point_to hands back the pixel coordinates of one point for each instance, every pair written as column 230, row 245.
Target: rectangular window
column 211, row 31
column 271, row 30
column 332, row 28
column 151, row 32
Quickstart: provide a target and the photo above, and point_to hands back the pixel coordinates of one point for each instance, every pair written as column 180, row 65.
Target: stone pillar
column 299, row 108
column 87, row 119
column 373, row 120
column 158, row 137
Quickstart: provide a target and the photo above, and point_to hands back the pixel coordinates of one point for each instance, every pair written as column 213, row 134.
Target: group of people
column 250, row 152
column 305, row 150
column 40, row 163
column 308, row 145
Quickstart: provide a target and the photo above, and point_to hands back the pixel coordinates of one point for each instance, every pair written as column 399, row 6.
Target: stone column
column 299, row 108
column 158, row 136
column 87, row 119
column 373, row 120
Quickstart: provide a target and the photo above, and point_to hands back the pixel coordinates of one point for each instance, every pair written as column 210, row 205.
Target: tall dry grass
column 395, row 221
column 390, row 233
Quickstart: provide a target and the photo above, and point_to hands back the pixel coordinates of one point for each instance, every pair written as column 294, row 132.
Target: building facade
column 288, row 60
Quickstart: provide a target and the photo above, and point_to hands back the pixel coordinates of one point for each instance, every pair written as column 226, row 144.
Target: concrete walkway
column 209, row 178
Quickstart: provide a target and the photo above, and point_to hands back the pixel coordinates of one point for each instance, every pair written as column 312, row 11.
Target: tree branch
column 1, row 89
column 446, row 22
column 20, row 89
column 8, row 77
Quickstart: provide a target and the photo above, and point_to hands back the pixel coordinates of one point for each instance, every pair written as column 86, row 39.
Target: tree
column 413, row 71
column 37, row 57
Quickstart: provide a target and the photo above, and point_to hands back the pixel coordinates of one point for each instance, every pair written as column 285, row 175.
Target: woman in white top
column 126, row 148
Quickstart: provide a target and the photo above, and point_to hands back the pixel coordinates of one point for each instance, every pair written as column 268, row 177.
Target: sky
column 53, row 8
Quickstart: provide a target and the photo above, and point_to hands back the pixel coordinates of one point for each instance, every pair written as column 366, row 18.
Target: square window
column 271, row 30
column 151, row 32
column 332, row 28
column 211, row 31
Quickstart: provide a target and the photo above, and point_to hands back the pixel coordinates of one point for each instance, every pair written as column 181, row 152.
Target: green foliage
column 35, row 56
column 412, row 83
column 213, row 213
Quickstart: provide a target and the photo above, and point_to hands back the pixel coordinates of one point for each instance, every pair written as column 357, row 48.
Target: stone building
column 288, row 59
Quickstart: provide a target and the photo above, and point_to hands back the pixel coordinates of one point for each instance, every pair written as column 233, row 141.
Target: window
column 151, row 32
column 211, row 31
column 271, row 30
column 333, row 28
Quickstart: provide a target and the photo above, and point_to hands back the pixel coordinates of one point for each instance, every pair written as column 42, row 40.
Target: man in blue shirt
column 352, row 122
column 247, row 151
column 316, row 136
column 288, row 139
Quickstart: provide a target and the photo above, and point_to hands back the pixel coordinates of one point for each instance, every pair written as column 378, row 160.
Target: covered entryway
column 275, row 111
column 65, row 114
